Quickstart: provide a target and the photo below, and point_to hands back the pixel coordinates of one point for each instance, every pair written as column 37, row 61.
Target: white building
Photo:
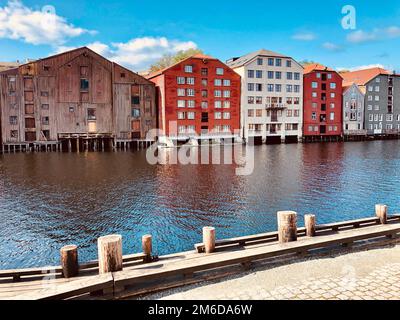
column 353, row 109
column 272, row 96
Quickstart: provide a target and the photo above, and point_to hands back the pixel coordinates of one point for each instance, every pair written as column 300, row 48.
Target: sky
column 137, row 33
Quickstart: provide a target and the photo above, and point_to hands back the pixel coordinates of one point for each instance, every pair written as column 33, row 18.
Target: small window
column 260, row 61
column 45, row 107
column 45, row 121
column 135, row 100
column 13, row 120
column 44, row 93
column 71, row 109
column 91, row 114
column 204, row 71
column 135, row 112
column 123, row 75
column 14, row 134
column 220, row 71
column 188, row 69
column 84, row 85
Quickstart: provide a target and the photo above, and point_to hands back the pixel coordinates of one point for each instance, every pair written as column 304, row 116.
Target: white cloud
column 361, row 36
column 332, row 47
column 304, row 36
column 19, row 22
column 369, row 66
column 138, row 53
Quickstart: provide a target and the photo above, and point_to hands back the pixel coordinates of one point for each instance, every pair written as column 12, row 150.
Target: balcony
column 255, row 133
column 275, row 106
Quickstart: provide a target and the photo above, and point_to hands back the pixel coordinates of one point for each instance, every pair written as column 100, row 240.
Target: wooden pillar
column 381, row 212
column 209, row 239
column 110, row 253
column 287, row 226
column 309, row 222
column 69, row 261
column 147, row 247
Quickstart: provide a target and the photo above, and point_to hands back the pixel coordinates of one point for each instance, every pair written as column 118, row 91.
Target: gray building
column 353, row 110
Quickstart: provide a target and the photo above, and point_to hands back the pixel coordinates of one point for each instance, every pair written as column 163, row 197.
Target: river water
column 48, row 200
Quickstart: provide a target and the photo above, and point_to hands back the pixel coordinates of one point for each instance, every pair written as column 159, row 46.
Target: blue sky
column 136, row 33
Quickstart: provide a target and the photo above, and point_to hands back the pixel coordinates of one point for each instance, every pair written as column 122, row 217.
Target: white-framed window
column 181, row 103
column 377, row 88
column 296, row 113
column 217, row 104
column 378, row 80
column 376, row 98
column 227, row 115
column 315, row 95
column 181, row 129
column 381, row 117
column 332, row 106
column 389, row 117
column 220, row 71
column 370, row 107
column 332, row 85
column 217, row 93
column 190, row 81
column 332, row 116
column 289, row 88
column 333, row 95
column 191, row 115
column 370, row 88
column 227, row 93
column 218, row 82
column 191, row 104
column 227, row 104
column 218, row 115
column 370, row 98
column 227, row 83
column 329, row 75
column 181, row 115
column 376, row 107
column 314, row 85
column 190, row 92
column 191, row 129
column 189, row 69
column 289, row 75
column 180, row 80
column 204, row 105
column 371, row 117
column 226, row 128
column 181, row 92
column 318, row 75
column 389, row 126
column 278, row 88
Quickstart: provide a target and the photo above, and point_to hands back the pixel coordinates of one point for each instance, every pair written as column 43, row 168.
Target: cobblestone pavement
column 367, row 275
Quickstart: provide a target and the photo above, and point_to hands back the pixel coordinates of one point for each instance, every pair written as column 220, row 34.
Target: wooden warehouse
column 77, row 98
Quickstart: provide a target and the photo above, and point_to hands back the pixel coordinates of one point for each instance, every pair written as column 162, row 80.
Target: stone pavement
column 365, row 275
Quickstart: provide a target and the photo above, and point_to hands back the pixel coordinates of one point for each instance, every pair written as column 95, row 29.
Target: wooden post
column 309, row 221
column 69, row 261
column 381, row 212
column 209, row 239
column 110, row 253
column 287, row 226
column 147, row 247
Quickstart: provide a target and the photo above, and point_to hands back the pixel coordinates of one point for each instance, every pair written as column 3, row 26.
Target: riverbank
column 367, row 273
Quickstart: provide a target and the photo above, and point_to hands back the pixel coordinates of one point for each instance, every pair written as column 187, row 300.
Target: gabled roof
column 316, row 67
column 243, row 60
column 362, row 77
column 350, row 85
column 196, row 56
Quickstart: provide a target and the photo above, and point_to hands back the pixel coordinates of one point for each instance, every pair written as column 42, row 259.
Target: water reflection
column 49, row 200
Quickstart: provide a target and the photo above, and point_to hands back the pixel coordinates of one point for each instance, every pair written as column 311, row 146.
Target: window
column 204, row 93
column 389, row 117
column 259, row 113
column 278, row 75
column 218, row 115
column 226, row 128
column 314, row 85
column 259, row 61
column 370, row 98
column 258, row 100
column 227, row 94
column 289, row 113
column 14, row 134
column 259, row 87
column 204, row 82
column 270, row 74
column 190, row 92
column 227, row 83
column 289, row 100
column 270, row 61
column 259, row 74
column 278, row 62
column 190, row 81
column 181, row 103
column 44, row 94
column 333, row 95
column 297, row 88
column 220, row 71
column 314, row 105
column 332, row 85
column 189, row 69
column 377, row 89
column 332, row 116
column 45, row 121
column 296, row 76
column 288, row 63
column 289, row 75
column 181, row 129
column 45, row 107
column 314, row 116
column 180, row 80
column 376, row 98
column 250, row 73
column 278, row 88
column 319, row 75
column 250, row 100
column 297, row 100
column 270, row 87
column 332, row 106
column 370, row 88
column 250, row 113
column 204, row 105
column 91, row 114
column 378, row 80
column 218, row 93
column 191, row 103
column 314, row 95
column 71, row 109
column 250, row 86
column 12, row 85
column 13, row 120
column 376, row 107
column 181, row 92
column 204, row 71
column 296, row 113
column 227, row 104
column 217, row 82
column 289, row 88
column 181, row 115
column 191, row 115
column 329, row 75
column 84, row 85
column 227, row 115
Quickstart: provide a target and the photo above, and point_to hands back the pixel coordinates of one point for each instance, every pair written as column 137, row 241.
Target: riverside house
column 272, row 96
column 76, row 95
column 322, row 104
column 353, row 109
column 200, row 96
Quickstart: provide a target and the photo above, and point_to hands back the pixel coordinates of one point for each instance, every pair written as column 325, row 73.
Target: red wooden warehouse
column 198, row 95
column 322, row 118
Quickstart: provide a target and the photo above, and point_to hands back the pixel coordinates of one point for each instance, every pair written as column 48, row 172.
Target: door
column 274, row 115
column 136, row 129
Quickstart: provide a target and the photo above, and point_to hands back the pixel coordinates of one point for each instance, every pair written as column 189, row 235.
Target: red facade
column 322, row 102
column 199, row 94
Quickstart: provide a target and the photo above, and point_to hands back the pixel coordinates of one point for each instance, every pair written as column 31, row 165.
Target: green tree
column 168, row 60
column 307, row 62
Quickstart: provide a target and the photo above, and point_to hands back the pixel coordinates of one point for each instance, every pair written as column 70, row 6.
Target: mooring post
column 310, row 221
column 147, row 247
column 209, row 239
column 287, row 226
column 110, row 253
column 381, row 212
column 69, row 261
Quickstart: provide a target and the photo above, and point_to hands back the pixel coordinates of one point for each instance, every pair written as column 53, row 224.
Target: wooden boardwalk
column 138, row 276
